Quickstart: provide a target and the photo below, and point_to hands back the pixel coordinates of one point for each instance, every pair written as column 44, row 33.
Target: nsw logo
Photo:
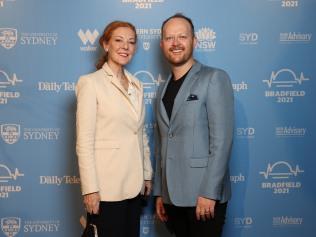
column 8, row 37
column 10, row 226
column 10, row 133
column 206, row 39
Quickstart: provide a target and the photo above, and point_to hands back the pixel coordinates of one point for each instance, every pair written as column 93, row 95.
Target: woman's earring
column 106, row 50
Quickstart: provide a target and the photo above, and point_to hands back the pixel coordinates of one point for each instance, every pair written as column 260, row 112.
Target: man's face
column 177, row 42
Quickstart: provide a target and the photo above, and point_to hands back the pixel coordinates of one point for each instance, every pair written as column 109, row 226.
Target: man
column 194, row 113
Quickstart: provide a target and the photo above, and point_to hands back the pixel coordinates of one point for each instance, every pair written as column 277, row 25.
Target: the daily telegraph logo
column 143, row 4
column 248, row 38
column 290, row 131
column 206, row 39
column 281, row 177
column 8, row 37
column 56, row 86
column 295, row 37
column 8, row 176
column 11, row 133
column 59, row 180
column 247, row 132
column 88, row 38
column 238, row 87
column 282, row 221
column 237, row 178
column 10, row 226
column 7, row 83
column 282, row 85
column 243, row 222
column 147, row 35
column 150, row 84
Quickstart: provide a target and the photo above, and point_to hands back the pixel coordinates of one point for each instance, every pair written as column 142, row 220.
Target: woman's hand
column 92, row 202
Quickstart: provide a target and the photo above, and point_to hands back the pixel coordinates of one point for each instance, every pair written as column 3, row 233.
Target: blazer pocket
column 106, row 144
column 198, row 162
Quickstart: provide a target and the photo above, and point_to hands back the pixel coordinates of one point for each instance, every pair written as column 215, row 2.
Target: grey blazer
column 195, row 144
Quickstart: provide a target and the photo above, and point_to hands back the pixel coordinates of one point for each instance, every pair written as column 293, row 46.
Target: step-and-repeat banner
column 267, row 47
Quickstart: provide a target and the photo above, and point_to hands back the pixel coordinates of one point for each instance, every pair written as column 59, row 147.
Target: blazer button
column 170, row 135
column 135, row 133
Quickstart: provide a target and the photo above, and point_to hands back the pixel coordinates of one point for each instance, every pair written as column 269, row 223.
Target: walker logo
column 290, row 132
column 8, row 37
column 10, row 133
column 88, row 37
column 281, row 221
column 280, row 171
column 206, row 39
column 10, row 226
column 56, row 86
column 143, row 4
column 243, row 222
column 5, row 83
column 6, row 175
column 147, row 35
column 248, row 38
column 237, row 178
column 237, row 87
column 294, row 37
column 59, row 180
column 286, row 79
column 39, row 39
column 247, row 132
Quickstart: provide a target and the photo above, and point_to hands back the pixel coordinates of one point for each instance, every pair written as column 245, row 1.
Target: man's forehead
column 177, row 24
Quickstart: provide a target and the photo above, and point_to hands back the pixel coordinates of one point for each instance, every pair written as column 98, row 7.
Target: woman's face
column 121, row 46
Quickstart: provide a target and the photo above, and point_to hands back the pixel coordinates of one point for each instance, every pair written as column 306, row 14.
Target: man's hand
column 160, row 210
column 205, row 208
column 92, row 202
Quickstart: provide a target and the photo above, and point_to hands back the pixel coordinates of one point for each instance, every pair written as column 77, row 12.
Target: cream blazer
column 112, row 146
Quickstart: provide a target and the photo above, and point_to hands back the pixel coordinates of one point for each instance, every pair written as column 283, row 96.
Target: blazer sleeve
column 220, row 112
column 85, row 128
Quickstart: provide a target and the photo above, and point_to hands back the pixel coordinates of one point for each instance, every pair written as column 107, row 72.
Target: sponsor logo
column 10, row 226
column 56, row 86
column 59, row 180
column 237, row 87
column 243, row 222
column 146, row 230
column 237, row 178
column 150, row 85
column 10, row 133
column 248, row 38
column 6, row 83
column 206, row 39
column 289, row 3
column 8, row 37
column 290, row 132
column 38, row 39
column 88, row 39
column 282, row 83
column 245, row 132
column 147, row 222
column 282, row 176
column 280, row 221
column 290, row 37
column 6, row 176
column 147, row 35
column 143, row 4
column 41, row 226
column 2, row 2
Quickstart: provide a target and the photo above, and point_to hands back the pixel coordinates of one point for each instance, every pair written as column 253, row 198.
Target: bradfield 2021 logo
column 285, row 85
column 8, row 176
column 281, row 177
column 143, row 4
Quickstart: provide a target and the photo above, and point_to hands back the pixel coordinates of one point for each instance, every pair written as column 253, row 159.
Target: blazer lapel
column 184, row 91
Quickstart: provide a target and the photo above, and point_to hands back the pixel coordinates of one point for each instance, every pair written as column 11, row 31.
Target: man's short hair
column 178, row 15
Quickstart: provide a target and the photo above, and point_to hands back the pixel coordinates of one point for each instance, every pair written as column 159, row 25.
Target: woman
column 112, row 148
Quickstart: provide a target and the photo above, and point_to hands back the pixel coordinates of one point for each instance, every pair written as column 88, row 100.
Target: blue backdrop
column 266, row 46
